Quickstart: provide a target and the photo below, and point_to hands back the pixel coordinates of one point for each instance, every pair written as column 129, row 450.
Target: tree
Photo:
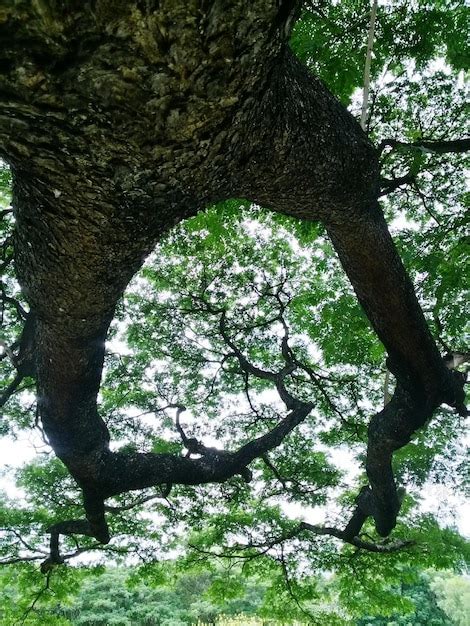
column 122, row 120
column 453, row 596
column 426, row 609
column 117, row 596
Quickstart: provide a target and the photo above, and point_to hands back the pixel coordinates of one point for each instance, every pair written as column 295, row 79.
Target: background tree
column 453, row 596
column 426, row 609
column 169, row 597
column 256, row 317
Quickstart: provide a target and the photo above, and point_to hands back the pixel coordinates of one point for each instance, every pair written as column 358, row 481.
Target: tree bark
column 119, row 119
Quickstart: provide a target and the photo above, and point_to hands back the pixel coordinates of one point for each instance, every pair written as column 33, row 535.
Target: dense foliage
column 238, row 280
column 169, row 597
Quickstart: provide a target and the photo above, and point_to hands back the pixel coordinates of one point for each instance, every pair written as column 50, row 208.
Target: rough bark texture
column 120, row 119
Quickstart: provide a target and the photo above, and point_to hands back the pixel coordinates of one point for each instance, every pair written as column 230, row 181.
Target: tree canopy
column 236, row 318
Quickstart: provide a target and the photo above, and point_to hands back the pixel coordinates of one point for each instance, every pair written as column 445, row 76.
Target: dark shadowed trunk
column 119, row 119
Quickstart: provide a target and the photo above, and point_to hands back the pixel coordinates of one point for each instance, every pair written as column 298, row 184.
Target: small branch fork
column 22, row 356
column 389, row 185
column 38, row 596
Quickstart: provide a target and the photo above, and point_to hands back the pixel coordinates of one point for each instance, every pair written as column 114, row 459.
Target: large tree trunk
column 120, row 119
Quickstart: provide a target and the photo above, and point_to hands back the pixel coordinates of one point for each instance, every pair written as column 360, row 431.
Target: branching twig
column 424, row 203
column 275, row 377
column 252, row 550
column 39, row 594
column 268, row 463
column 281, row 559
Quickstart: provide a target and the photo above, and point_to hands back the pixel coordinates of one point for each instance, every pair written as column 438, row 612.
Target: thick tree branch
column 275, row 377
column 391, row 185
column 431, row 146
column 67, row 528
column 423, row 381
column 126, row 471
column 356, row 541
column 122, row 472
column 389, row 430
column 10, row 389
column 255, row 549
